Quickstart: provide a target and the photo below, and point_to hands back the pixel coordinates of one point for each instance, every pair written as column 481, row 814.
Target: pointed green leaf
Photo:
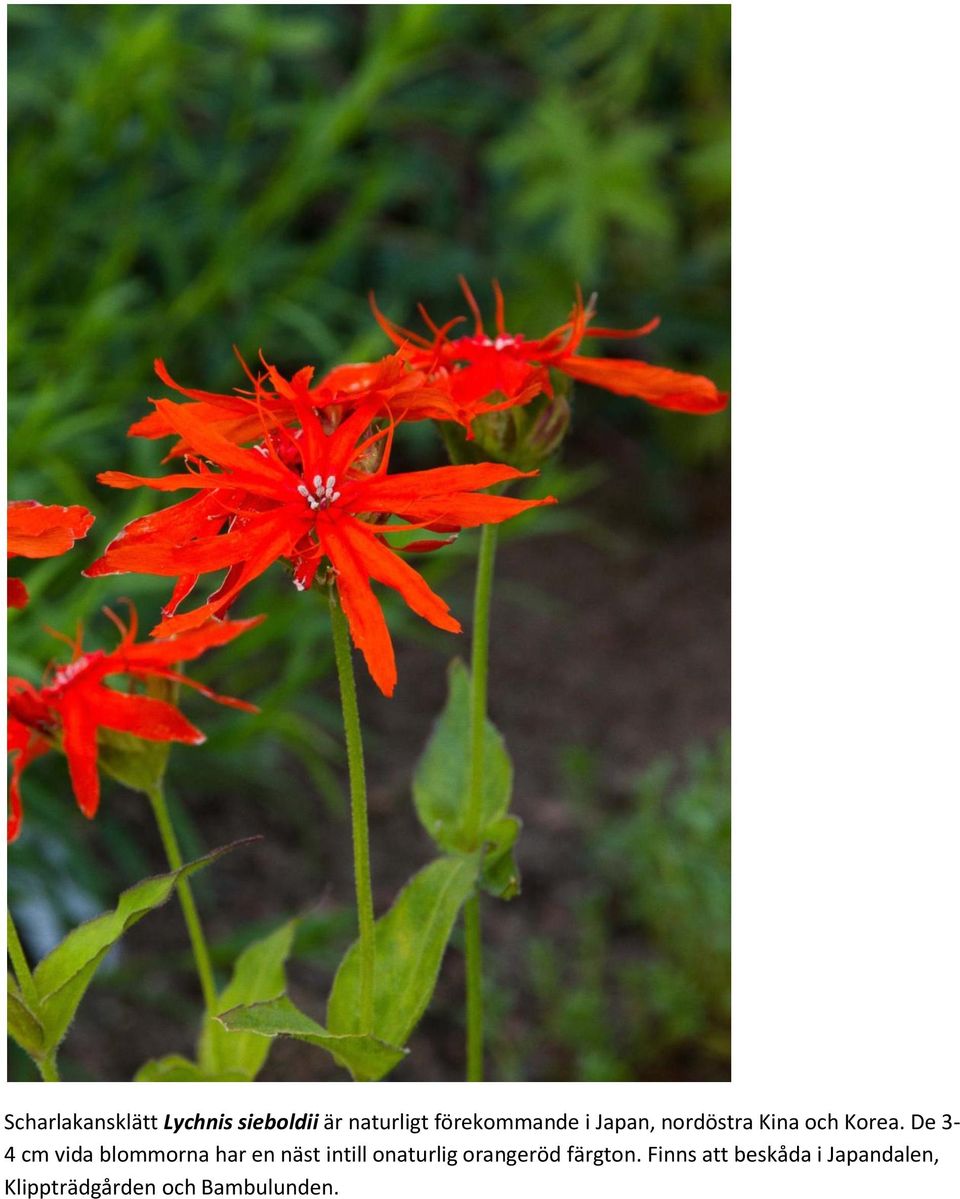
column 22, row 1024
column 410, row 943
column 363, row 1056
column 500, row 874
column 179, row 1069
column 441, row 782
column 65, row 973
column 257, row 976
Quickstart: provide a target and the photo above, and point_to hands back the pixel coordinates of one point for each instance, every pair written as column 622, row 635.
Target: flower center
column 323, row 494
column 504, row 342
column 480, row 342
column 65, row 675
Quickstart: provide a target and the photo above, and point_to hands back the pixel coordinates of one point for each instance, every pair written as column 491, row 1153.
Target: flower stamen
column 324, row 492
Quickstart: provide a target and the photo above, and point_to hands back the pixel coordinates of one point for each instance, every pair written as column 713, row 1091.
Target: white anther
column 323, row 494
column 311, row 499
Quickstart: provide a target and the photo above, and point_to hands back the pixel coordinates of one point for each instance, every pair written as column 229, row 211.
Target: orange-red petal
column 43, row 531
column 80, row 746
column 175, row 676
column 142, row 716
column 261, row 555
column 656, row 385
column 382, row 563
column 389, row 492
column 368, row 628
column 24, row 746
column 165, row 651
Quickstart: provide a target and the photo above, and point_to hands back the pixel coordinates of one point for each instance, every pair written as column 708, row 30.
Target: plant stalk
column 479, row 669
column 201, row 954
column 358, row 808
column 474, row 952
column 48, row 1069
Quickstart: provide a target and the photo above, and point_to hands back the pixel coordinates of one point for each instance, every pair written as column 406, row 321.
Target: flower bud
column 523, row 437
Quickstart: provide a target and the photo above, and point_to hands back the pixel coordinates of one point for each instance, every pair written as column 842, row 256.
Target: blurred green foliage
column 646, row 992
column 183, row 178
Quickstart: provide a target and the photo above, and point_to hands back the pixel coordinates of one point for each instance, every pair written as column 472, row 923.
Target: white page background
column 846, row 663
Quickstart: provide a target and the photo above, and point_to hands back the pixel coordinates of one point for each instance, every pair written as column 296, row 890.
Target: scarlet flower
column 70, row 709
column 517, row 368
column 38, row 531
column 327, row 496
column 249, row 415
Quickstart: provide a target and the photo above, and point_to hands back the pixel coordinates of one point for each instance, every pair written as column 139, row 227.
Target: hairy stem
column 474, row 950
column 48, row 1069
column 358, row 807
column 201, row 954
column 479, row 667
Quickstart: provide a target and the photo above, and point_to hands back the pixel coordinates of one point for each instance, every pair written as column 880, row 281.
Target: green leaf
column 500, row 874
column 65, row 973
column 258, row 975
column 179, row 1069
column 22, row 1024
column 441, row 782
column 410, row 943
column 365, row 1057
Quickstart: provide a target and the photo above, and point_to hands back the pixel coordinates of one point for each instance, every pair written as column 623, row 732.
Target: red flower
column 25, row 745
column 325, row 497
column 516, row 368
column 75, row 704
column 36, row 531
column 249, row 415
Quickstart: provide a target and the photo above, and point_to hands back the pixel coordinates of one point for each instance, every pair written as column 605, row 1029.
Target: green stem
column 479, row 666
column 47, row 1065
column 48, row 1069
column 20, row 967
column 358, row 807
column 479, row 669
column 201, row 954
column 474, row 949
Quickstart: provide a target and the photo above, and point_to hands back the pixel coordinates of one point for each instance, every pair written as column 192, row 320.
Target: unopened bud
column 523, row 437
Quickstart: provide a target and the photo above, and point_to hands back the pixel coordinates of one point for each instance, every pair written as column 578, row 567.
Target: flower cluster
column 310, row 495
column 478, row 366
column 291, row 470
column 298, row 470
column 75, row 704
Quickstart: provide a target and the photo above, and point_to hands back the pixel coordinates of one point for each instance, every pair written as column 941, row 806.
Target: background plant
column 270, row 165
